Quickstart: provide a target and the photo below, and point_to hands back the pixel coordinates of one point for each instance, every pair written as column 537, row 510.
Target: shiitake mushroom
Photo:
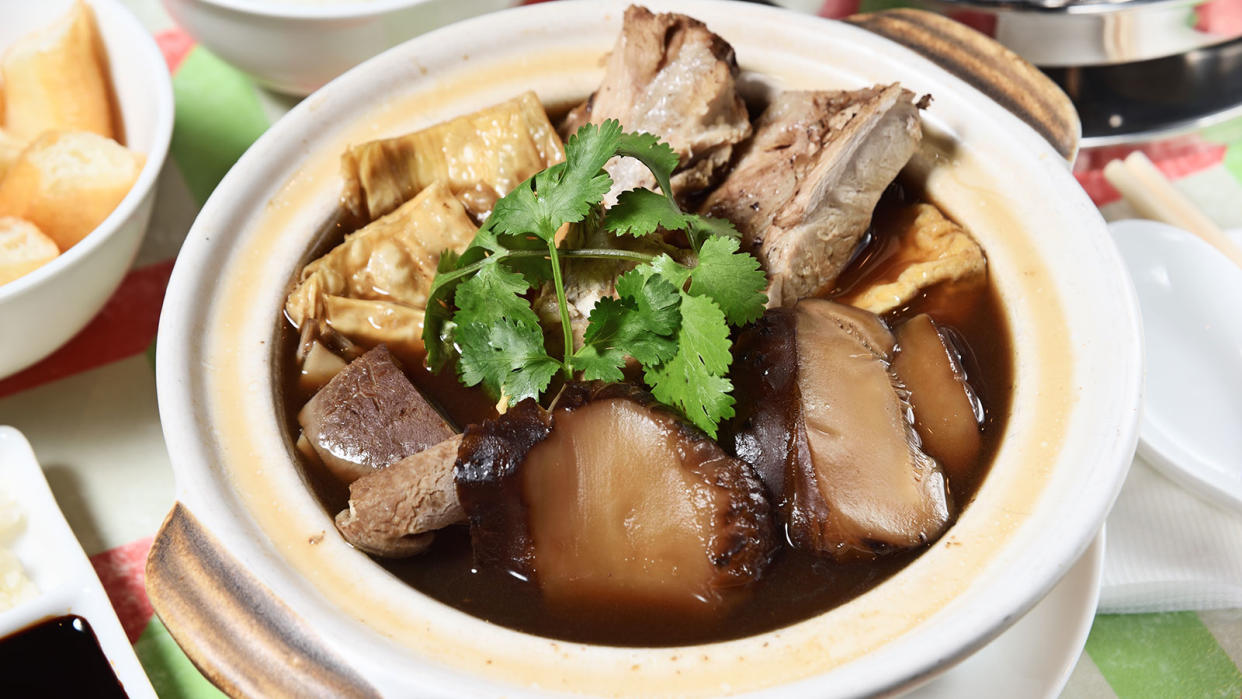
column 610, row 498
column 827, row 424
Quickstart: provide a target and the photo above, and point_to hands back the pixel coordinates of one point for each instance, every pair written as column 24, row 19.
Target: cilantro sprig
column 672, row 318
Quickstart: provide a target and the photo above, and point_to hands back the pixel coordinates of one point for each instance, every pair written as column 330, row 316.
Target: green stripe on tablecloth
column 1233, row 160
column 878, row 5
column 1162, row 655
column 218, row 117
column 150, row 353
column 1226, row 132
column 171, row 673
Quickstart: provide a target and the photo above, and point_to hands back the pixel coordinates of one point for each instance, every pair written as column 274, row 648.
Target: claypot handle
column 988, row 66
column 233, row 628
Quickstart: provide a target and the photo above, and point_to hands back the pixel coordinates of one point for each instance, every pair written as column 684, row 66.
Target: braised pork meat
column 803, row 189
column 670, row 76
column 393, row 511
column 368, row 416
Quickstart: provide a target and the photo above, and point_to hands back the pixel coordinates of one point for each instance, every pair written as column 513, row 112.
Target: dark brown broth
column 796, row 586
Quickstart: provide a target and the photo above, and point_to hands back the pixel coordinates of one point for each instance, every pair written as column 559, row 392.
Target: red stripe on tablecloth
column 125, row 327
column 1220, row 17
column 1176, row 158
column 123, row 572
column 837, row 9
column 174, row 44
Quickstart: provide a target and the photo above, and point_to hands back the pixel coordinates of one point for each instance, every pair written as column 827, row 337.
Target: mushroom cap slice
column 610, row 499
column 947, row 412
column 829, row 430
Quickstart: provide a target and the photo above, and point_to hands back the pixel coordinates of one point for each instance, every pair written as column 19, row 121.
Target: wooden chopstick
column 1154, row 197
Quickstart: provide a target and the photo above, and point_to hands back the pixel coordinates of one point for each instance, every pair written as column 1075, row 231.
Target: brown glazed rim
column 250, row 644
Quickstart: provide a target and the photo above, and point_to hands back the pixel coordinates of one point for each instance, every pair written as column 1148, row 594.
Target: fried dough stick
column 55, row 80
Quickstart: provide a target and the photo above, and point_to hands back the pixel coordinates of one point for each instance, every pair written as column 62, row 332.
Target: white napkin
column 1169, row 550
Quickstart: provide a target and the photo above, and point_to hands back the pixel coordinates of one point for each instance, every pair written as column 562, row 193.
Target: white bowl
column 296, row 46
column 40, row 311
column 1069, row 441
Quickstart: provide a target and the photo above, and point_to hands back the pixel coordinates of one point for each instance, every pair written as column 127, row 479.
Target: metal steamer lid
column 1136, row 70
column 1063, row 33
column 1158, row 98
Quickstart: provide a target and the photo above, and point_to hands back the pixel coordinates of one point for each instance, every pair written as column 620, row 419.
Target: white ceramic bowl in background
column 296, row 46
column 40, row 311
column 249, row 540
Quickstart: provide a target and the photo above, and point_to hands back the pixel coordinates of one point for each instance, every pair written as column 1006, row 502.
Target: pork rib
column 670, row 76
column 803, row 190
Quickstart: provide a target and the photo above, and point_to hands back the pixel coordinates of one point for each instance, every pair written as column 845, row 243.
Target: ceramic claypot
column 251, row 577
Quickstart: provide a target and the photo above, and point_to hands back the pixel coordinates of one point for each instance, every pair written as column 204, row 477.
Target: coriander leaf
column 703, row 333
column 600, row 357
column 655, row 297
column 492, row 298
column 640, row 212
column 563, row 193
column 504, row 245
column 493, row 293
column 486, row 249
column 570, row 193
column 693, row 380
column 639, row 324
column 730, row 278
column 675, row 273
column 599, row 363
column 507, row 357
column 702, row 227
column 659, row 157
column 488, row 242
column 520, row 211
column 436, row 340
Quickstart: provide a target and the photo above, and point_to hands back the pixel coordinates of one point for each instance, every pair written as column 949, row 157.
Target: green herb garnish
column 671, row 317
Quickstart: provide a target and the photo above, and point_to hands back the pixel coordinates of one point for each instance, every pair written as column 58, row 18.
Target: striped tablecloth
column 90, row 409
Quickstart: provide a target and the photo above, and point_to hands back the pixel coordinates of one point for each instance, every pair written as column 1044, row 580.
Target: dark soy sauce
column 797, row 585
column 58, row 657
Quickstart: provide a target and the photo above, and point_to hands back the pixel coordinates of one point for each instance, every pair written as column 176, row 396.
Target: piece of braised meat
column 824, row 421
column 393, row 511
column 803, row 190
column 670, row 76
column 368, row 416
column 611, row 499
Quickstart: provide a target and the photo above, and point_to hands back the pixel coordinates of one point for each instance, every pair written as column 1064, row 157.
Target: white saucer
column 1035, row 657
column 1192, row 330
column 55, row 562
